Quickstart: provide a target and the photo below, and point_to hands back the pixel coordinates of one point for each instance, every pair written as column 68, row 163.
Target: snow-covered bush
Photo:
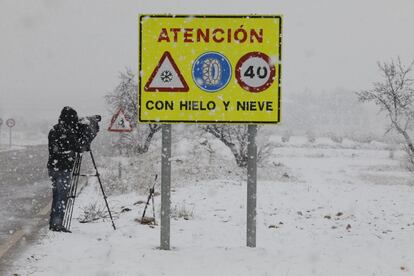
column 196, row 156
column 138, row 173
column 335, row 137
column 114, row 184
column 182, row 211
column 264, row 152
column 204, row 158
column 409, row 159
column 265, row 147
column 286, row 136
column 391, row 154
column 310, row 136
column 93, row 212
column 365, row 138
column 235, row 137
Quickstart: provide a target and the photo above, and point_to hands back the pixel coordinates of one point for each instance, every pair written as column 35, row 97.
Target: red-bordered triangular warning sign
column 166, row 77
column 120, row 123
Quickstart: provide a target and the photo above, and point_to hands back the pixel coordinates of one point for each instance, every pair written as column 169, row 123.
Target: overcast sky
column 55, row 53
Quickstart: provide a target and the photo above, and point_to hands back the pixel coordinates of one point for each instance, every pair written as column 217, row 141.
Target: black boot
column 63, row 229
column 54, row 228
column 59, row 228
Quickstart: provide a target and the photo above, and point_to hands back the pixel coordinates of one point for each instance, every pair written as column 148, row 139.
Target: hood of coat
column 68, row 116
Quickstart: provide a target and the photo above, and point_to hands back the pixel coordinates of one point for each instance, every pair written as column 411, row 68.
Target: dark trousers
column 61, row 184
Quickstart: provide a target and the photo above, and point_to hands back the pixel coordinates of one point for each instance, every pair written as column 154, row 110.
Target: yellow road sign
column 210, row 68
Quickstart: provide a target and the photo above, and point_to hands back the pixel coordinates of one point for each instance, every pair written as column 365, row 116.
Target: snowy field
column 20, row 138
column 342, row 212
column 8, row 148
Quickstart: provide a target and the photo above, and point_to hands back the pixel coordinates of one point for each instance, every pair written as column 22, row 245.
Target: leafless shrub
column 286, row 136
column 113, row 184
column 235, row 137
column 182, row 211
column 409, row 160
column 310, row 136
column 264, row 151
column 93, row 212
column 395, row 96
column 335, row 137
column 364, row 138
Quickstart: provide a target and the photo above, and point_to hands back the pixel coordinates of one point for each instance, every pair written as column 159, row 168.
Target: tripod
column 150, row 197
column 74, row 187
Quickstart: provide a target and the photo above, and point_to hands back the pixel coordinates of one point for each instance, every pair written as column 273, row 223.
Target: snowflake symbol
column 166, row 76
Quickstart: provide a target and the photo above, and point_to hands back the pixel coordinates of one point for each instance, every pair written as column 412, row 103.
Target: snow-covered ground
column 21, row 138
column 337, row 212
column 8, row 148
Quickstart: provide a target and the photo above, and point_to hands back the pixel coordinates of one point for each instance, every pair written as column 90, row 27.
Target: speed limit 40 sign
column 10, row 123
column 255, row 72
column 210, row 68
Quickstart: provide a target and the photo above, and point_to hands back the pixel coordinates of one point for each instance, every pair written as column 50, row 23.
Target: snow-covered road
column 24, row 188
column 342, row 212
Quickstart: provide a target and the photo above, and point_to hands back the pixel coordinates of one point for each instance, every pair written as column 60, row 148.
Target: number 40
column 261, row 72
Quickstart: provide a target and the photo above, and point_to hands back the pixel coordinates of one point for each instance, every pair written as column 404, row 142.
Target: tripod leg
column 69, row 204
column 72, row 192
column 151, row 195
column 102, row 189
column 153, row 209
column 75, row 189
column 146, row 205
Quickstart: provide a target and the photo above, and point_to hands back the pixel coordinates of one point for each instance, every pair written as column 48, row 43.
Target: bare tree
column 395, row 96
column 125, row 95
column 234, row 137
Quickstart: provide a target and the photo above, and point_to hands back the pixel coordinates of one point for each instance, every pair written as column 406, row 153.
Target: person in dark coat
column 63, row 145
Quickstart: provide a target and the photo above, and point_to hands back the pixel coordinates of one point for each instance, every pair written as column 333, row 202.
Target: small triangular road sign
column 166, row 77
column 120, row 123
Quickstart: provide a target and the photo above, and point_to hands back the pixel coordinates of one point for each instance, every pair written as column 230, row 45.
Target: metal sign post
column 251, row 186
column 120, row 154
column 1, row 122
column 10, row 123
column 165, row 186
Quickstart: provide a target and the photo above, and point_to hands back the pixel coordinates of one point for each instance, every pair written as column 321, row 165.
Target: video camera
column 88, row 128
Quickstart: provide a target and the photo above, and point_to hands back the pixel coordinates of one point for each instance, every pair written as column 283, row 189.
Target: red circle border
column 264, row 86
column 10, row 123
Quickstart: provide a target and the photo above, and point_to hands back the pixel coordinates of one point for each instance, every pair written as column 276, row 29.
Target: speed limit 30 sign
column 210, row 68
